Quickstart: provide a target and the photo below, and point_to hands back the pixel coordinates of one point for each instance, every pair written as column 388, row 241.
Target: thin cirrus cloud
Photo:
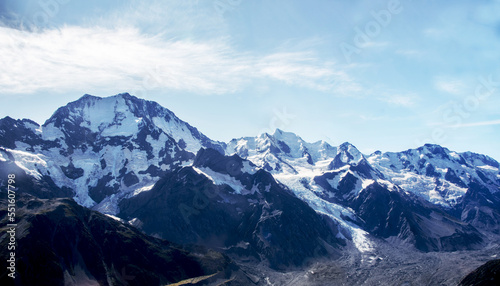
column 403, row 100
column 76, row 58
column 451, row 86
column 482, row 123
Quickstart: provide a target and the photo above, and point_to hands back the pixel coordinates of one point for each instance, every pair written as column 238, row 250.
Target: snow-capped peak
column 280, row 145
column 435, row 173
column 349, row 153
column 125, row 115
column 104, row 148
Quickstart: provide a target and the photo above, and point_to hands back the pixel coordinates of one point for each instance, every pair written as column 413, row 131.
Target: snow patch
column 143, row 189
column 115, row 218
column 3, row 158
column 487, row 167
column 365, row 183
column 247, row 168
column 51, row 133
column 178, row 131
column 222, row 179
column 30, row 163
column 109, row 205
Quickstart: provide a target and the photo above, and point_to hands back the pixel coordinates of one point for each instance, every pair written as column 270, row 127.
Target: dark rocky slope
column 486, row 275
column 62, row 243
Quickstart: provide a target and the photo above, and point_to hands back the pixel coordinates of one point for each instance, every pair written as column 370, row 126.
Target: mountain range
column 271, row 201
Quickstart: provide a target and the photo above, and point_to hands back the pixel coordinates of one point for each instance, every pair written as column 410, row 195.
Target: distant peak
column 88, row 96
column 124, row 95
column 284, row 135
column 350, row 150
column 265, row 135
column 27, row 120
column 434, row 148
column 127, row 95
column 430, row 145
column 81, row 107
column 278, row 131
column 7, row 118
column 346, row 145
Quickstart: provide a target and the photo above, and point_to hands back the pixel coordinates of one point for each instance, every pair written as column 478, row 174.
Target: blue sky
column 387, row 75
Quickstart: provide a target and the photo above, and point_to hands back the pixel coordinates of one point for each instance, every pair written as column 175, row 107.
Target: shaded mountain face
column 396, row 214
column 486, row 275
column 62, row 243
column 227, row 203
column 102, row 148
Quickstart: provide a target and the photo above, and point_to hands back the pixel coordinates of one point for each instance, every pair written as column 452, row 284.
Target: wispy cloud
column 374, row 44
column 76, row 58
column 482, row 123
column 403, row 100
column 296, row 68
column 452, row 86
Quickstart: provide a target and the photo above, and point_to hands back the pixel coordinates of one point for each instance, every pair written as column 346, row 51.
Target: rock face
column 227, row 203
column 62, row 243
column 486, row 275
column 391, row 213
